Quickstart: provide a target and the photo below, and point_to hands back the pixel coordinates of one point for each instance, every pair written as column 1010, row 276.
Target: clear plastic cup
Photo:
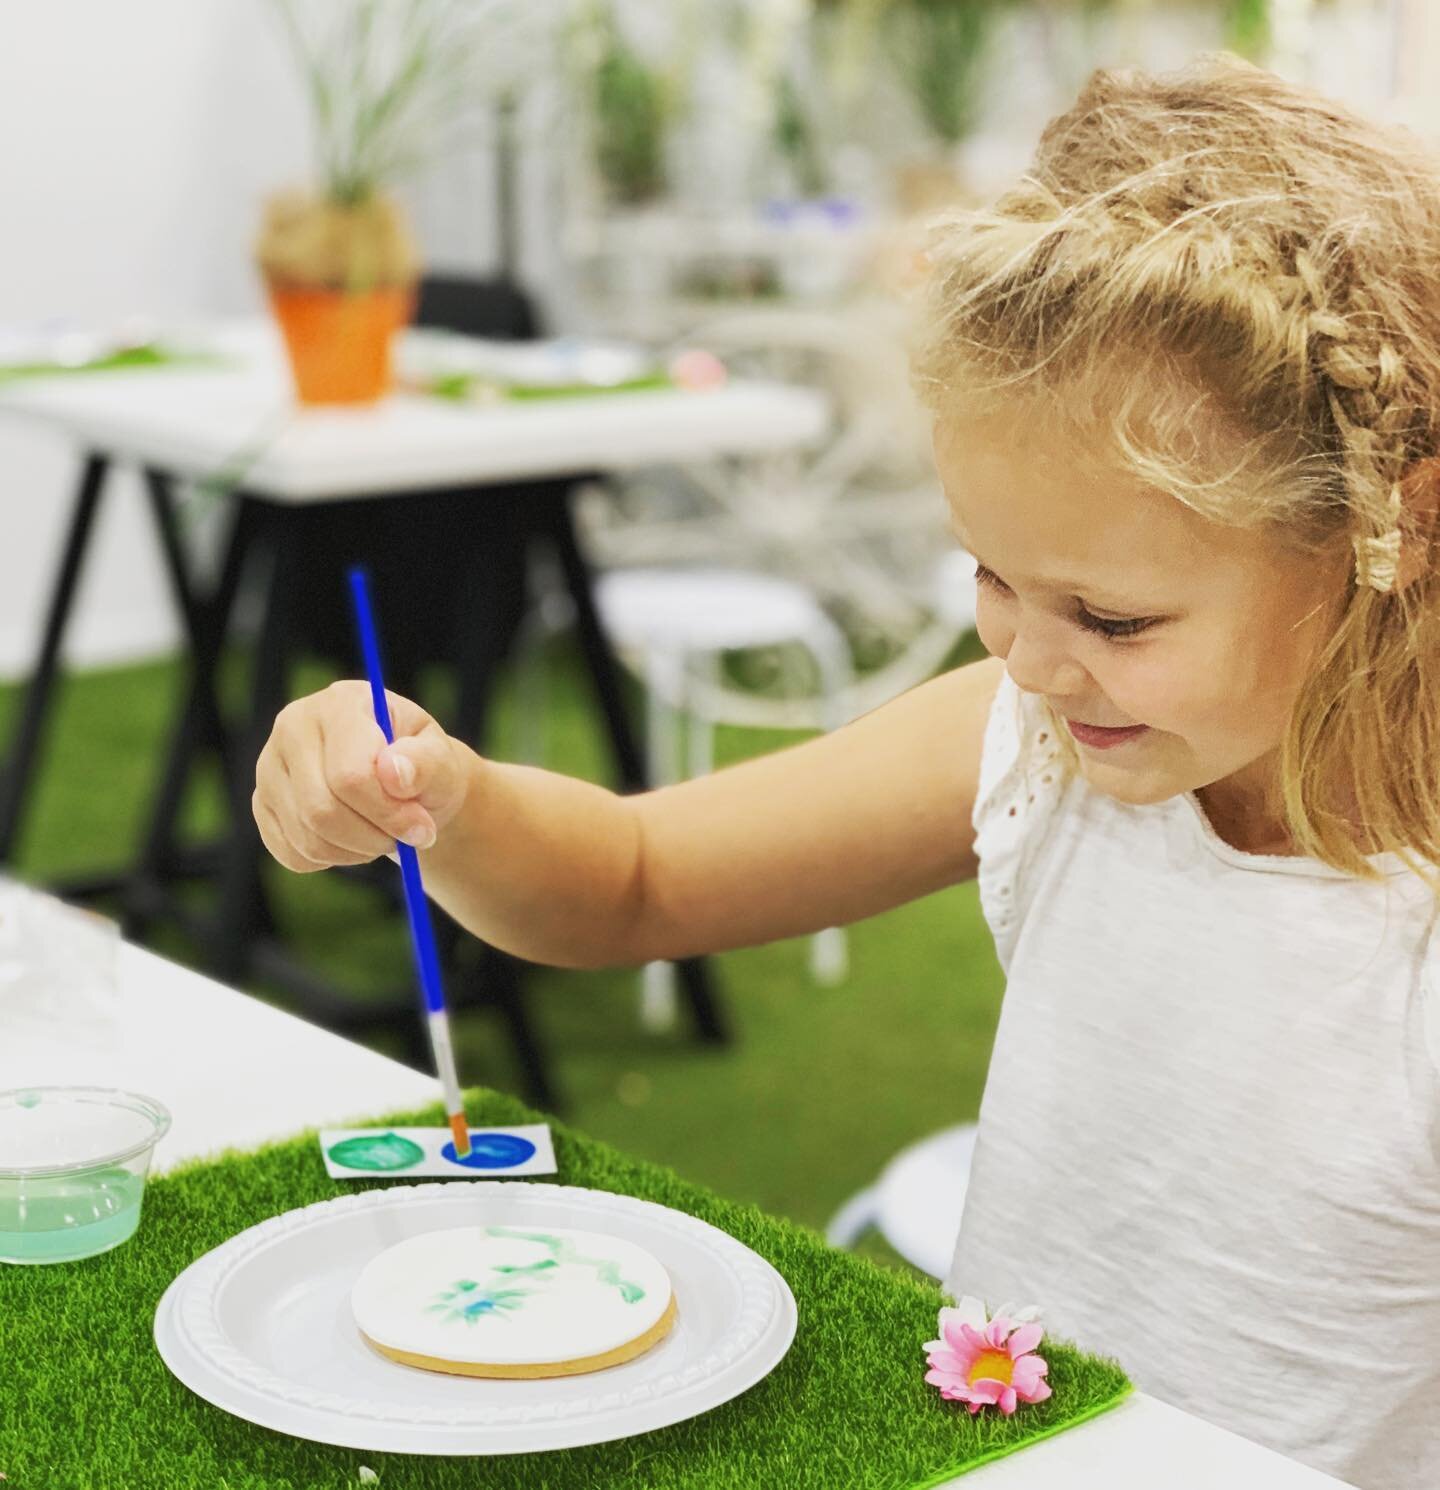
column 73, row 1162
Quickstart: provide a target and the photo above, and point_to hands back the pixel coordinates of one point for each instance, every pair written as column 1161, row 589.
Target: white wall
column 138, row 140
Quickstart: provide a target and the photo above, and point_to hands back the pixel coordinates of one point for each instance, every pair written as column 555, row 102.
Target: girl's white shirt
column 1210, row 1139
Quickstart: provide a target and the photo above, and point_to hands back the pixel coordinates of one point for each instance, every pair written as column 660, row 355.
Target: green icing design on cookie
column 376, row 1152
column 530, row 1268
column 466, row 1301
column 562, row 1252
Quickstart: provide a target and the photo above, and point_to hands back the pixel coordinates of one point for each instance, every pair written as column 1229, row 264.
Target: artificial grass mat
column 87, row 1403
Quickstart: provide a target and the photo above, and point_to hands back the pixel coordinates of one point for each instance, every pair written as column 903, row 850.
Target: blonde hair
column 1279, row 257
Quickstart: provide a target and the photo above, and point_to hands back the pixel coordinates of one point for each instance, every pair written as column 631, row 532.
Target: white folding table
column 235, row 1072
column 237, row 415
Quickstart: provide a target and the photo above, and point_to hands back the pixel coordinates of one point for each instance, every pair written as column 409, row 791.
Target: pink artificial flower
column 697, row 368
column 986, row 1364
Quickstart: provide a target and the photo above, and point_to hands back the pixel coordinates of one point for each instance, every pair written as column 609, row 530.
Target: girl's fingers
column 420, row 769
column 316, row 851
column 322, row 822
column 345, row 777
column 272, row 835
column 318, row 828
column 318, row 799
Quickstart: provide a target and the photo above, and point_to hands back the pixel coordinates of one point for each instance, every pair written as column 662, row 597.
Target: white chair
column 677, row 623
column 917, row 1202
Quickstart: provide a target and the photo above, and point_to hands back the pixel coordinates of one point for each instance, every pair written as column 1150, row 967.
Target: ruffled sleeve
column 1023, row 775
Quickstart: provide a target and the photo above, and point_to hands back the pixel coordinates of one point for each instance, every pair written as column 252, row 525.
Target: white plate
column 262, row 1328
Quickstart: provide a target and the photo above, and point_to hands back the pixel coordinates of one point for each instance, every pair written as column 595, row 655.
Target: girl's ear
column 1420, row 494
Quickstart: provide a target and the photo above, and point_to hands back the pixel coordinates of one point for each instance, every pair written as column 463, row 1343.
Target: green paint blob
column 376, row 1152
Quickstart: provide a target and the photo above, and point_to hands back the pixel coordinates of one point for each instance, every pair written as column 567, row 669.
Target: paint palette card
column 495, row 1153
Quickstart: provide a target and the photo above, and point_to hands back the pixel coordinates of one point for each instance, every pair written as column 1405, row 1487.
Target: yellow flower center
column 992, row 1365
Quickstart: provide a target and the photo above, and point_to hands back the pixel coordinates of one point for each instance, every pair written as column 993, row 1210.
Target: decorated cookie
column 513, row 1301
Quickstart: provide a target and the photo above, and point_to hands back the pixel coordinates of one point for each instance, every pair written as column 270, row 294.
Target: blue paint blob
column 491, row 1151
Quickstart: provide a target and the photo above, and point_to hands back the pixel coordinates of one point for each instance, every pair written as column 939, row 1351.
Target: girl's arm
column 563, row 872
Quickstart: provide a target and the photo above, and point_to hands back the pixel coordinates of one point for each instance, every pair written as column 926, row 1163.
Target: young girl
column 1186, row 386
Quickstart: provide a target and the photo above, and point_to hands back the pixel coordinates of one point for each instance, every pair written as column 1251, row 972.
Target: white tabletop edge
column 240, row 426
column 1145, row 1444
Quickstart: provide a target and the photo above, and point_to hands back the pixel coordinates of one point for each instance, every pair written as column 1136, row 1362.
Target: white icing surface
column 412, row 1296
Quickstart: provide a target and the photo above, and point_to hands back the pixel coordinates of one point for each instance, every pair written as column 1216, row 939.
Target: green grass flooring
column 94, row 1408
column 847, row 1075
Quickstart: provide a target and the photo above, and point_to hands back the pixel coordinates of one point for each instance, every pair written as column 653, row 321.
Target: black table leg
column 241, row 908
column 201, row 724
column 15, row 784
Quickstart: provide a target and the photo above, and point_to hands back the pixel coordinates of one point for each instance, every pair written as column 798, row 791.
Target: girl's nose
column 1038, row 663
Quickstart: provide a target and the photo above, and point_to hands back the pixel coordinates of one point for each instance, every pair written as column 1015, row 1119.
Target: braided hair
column 1220, row 241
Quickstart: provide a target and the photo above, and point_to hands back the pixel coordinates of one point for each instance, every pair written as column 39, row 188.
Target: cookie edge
column 536, row 1370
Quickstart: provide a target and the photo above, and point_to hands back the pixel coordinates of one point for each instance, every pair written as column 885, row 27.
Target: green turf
column 128, row 359
column 88, row 1405
column 849, row 1074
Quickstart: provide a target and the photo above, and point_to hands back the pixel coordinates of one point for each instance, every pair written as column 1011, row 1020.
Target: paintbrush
column 422, row 932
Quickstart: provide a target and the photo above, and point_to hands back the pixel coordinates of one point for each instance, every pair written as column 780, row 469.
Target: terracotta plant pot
column 339, row 341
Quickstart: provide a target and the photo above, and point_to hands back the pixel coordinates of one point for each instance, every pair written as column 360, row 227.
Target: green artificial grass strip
column 462, row 386
column 88, row 1402
column 533, row 392
column 126, row 360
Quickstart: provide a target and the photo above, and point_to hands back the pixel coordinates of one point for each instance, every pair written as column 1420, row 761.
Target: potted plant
column 388, row 83
column 938, row 48
column 631, row 115
column 340, row 275
column 631, row 105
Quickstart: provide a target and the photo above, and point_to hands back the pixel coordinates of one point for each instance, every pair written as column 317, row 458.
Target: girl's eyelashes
column 1114, row 629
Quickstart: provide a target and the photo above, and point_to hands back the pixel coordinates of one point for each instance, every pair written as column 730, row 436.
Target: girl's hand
column 328, row 790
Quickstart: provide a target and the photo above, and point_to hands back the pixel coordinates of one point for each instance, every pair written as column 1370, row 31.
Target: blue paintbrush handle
column 422, row 932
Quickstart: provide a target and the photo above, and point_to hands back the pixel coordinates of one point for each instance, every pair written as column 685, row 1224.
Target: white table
column 235, row 420
column 197, row 421
column 235, row 1072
